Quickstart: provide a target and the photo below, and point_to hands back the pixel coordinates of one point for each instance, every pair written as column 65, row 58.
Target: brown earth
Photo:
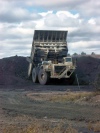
column 21, row 109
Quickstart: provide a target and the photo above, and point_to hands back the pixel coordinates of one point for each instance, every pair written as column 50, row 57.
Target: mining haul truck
column 48, row 59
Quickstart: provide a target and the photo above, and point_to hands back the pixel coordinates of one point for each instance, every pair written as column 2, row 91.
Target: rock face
column 13, row 70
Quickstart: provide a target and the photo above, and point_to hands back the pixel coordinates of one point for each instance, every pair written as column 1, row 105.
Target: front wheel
column 43, row 77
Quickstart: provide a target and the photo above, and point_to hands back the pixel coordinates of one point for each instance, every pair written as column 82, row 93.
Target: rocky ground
column 13, row 70
column 44, row 110
column 27, row 107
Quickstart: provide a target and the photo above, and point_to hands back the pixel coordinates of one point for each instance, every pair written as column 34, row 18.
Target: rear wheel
column 34, row 75
column 43, row 77
column 30, row 71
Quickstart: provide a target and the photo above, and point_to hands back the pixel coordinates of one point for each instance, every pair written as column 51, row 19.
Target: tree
column 83, row 53
column 92, row 53
column 75, row 54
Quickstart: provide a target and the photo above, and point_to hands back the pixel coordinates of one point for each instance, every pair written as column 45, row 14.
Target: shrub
column 96, row 83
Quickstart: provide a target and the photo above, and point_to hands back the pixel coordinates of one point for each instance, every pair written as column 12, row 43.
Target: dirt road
column 50, row 103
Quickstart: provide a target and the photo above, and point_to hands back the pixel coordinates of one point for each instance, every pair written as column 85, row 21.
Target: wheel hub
column 42, row 76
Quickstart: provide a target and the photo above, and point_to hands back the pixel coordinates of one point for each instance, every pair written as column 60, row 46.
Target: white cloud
column 92, row 21
column 86, row 46
column 13, row 14
column 46, row 3
column 19, row 19
column 86, row 8
column 67, row 14
column 61, row 19
column 46, row 13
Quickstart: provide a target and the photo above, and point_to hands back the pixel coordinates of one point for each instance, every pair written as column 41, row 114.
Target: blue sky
column 19, row 19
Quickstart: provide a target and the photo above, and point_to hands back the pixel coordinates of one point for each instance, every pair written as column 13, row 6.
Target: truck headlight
column 49, row 67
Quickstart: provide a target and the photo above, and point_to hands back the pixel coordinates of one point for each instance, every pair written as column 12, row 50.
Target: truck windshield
column 68, row 60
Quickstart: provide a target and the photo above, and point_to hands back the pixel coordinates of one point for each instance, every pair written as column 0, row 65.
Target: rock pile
column 13, row 70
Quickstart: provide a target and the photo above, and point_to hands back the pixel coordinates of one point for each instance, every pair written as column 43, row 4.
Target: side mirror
column 75, row 61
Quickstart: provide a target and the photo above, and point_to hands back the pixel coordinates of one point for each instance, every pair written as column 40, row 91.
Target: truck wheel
column 34, row 75
column 30, row 71
column 43, row 77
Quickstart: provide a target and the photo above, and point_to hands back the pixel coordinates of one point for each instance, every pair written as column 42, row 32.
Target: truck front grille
column 59, row 69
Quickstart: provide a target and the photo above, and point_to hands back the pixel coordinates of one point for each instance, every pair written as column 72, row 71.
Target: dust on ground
column 61, row 104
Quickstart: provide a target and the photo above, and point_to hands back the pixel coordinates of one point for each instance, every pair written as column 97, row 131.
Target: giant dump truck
column 48, row 59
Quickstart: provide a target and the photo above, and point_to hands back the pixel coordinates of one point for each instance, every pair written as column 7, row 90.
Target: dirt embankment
column 13, row 70
column 88, row 69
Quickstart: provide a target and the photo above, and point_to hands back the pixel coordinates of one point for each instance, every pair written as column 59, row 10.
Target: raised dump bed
column 49, row 49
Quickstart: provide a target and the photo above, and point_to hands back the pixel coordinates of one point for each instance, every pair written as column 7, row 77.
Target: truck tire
column 35, row 75
column 43, row 77
column 30, row 71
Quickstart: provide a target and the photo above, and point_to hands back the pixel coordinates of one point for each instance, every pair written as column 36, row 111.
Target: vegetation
column 49, row 112
column 83, row 53
column 96, row 83
column 75, row 54
column 94, row 126
column 92, row 53
column 40, row 127
column 70, row 96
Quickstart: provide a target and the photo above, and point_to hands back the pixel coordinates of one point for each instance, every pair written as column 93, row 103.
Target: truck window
column 68, row 59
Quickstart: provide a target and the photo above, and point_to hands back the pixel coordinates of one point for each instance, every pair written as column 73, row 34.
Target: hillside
column 13, row 70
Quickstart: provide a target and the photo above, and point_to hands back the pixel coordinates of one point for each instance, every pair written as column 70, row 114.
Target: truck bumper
column 65, row 74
